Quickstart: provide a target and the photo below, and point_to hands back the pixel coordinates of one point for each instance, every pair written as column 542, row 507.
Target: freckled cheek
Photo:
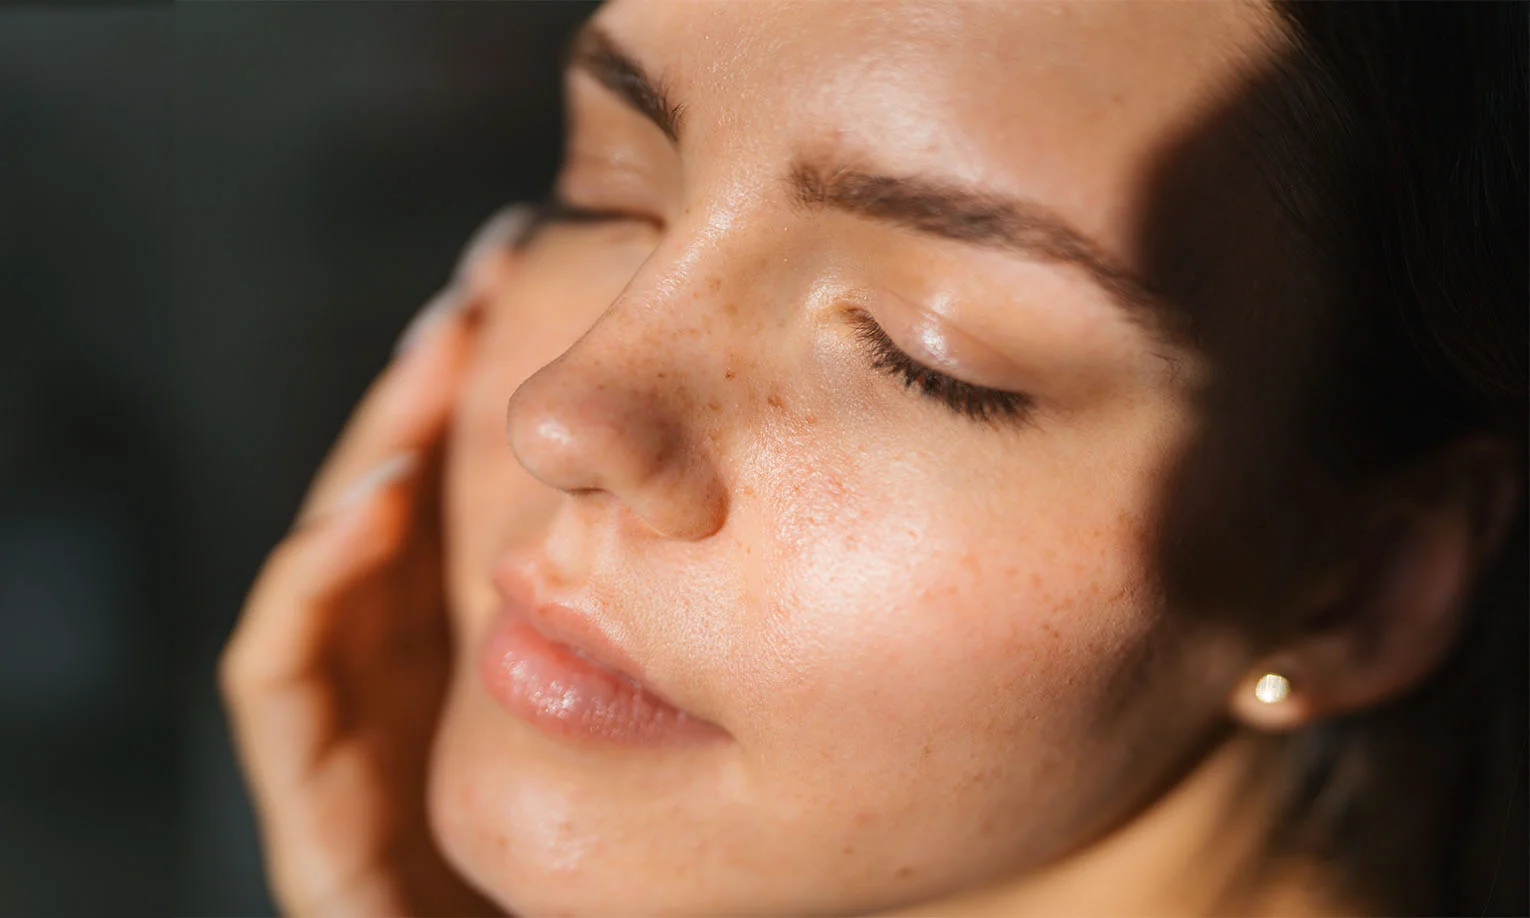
column 920, row 625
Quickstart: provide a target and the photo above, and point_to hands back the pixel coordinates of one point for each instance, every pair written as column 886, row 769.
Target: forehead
column 1062, row 103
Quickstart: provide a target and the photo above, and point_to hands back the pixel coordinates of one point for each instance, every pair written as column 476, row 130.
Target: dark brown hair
column 1423, row 801
column 1346, row 239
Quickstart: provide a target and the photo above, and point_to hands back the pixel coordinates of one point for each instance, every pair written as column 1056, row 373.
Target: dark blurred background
column 214, row 220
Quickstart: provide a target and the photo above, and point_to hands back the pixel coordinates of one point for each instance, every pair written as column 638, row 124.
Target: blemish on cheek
column 775, row 402
column 729, row 374
column 714, row 405
column 903, row 873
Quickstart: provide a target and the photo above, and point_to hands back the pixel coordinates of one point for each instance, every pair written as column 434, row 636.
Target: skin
column 948, row 676
column 832, row 569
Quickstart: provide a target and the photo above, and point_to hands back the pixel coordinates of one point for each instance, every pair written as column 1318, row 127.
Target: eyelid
column 558, row 209
column 928, row 336
column 980, row 403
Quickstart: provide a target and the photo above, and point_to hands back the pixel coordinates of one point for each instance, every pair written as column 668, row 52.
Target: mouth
column 551, row 666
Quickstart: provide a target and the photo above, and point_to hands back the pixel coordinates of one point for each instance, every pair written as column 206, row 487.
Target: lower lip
column 554, row 687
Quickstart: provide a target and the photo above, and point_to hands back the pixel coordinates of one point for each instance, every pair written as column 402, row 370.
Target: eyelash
column 557, row 210
column 978, row 403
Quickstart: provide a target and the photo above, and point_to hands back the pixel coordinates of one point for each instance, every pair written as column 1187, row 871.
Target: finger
column 280, row 705
column 491, row 247
column 407, row 407
column 290, row 609
column 405, row 410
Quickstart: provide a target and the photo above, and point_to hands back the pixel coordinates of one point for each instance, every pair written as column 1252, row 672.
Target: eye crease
column 990, row 406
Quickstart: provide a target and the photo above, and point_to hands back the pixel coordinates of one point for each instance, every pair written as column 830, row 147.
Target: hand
column 337, row 668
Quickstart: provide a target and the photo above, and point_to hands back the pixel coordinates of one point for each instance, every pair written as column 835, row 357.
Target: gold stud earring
column 1272, row 688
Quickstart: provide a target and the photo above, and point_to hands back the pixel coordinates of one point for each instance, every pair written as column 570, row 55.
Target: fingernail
column 503, row 230
column 380, row 476
column 437, row 308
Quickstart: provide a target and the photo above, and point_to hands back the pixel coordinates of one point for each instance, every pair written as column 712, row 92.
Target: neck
column 1178, row 857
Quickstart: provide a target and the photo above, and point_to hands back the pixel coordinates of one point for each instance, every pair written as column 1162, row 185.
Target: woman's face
column 918, row 615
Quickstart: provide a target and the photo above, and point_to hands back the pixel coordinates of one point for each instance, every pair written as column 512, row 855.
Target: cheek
column 969, row 646
column 885, row 585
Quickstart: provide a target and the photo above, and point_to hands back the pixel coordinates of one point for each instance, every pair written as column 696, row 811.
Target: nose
column 607, row 418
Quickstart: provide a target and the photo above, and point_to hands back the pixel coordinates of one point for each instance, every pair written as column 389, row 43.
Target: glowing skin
column 933, row 644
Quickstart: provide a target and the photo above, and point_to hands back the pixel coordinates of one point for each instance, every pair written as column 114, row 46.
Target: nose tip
column 584, row 438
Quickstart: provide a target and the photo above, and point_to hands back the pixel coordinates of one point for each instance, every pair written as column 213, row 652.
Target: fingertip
column 502, row 233
column 356, row 494
column 396, row 467
column 441, row 306
column 476, row 274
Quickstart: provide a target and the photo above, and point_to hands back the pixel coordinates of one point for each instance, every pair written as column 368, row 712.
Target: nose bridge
column 686, row 303
column 631, row 408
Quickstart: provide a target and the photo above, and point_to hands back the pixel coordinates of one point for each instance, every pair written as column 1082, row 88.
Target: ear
column 1391, row 617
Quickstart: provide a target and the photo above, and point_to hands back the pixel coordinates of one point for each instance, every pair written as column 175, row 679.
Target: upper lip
column 523, row 591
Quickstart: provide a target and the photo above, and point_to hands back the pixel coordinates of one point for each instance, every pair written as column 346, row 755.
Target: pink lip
column 552, row 666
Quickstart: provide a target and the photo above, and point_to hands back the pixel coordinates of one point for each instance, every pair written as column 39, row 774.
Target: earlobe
column 1393, row 622
column 1269, row 699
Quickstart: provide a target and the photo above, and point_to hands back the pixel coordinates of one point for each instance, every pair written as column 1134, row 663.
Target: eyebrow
column 597, row 54
column 928, row 206
column 945, row 210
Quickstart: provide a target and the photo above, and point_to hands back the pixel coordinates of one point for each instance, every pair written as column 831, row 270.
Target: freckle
column 714, row 283
column 926, row 751
column 729, row 374
column 904, row 872
column 811, row 419
column 663, row 375
column 715, row 405
column 774, row 401
column 849, row 849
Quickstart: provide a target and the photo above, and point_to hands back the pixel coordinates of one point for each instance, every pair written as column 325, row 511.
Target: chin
column 545, row 827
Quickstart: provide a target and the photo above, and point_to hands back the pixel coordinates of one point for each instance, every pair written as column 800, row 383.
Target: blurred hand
column 337, row 668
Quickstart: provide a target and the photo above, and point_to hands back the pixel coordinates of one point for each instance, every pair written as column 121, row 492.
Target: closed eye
column 557, row 210
column 979, row 403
